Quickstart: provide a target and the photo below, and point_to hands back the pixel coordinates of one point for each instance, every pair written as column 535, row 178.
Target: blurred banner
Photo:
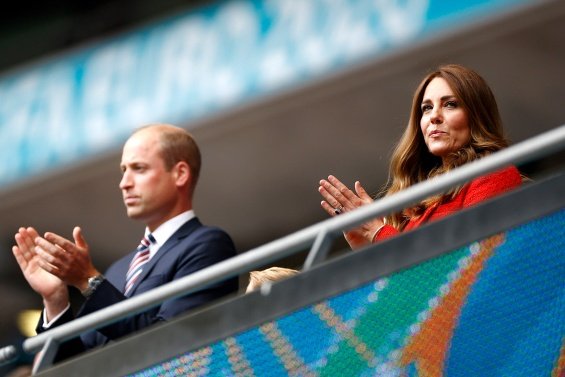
column 191, row 65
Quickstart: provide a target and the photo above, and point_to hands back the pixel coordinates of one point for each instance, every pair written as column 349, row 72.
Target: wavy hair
column 411, row 161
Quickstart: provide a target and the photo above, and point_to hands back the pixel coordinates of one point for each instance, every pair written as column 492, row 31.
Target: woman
column 454, row 120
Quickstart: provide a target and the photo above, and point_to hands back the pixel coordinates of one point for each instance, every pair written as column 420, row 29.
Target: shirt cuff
column 46, row 324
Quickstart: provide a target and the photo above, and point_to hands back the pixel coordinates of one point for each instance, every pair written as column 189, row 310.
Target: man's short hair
column 177, row 144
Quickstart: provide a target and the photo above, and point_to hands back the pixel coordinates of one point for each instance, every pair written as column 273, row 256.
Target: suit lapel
column 184, row 231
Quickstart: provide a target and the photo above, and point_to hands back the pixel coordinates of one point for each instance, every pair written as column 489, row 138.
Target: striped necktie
column 136, row 265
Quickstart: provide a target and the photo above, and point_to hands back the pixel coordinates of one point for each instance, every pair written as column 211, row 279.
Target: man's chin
column 134, row 213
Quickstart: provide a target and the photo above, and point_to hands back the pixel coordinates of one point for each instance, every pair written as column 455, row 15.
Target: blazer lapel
column 183, row 232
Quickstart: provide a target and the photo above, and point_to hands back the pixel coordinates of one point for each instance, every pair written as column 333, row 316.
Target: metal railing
column 318, row 236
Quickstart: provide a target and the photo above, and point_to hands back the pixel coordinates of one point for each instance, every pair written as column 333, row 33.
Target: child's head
column 272, row 274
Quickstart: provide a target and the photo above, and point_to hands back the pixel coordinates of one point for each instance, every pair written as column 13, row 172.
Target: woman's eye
column 426, row 108
column 451, row 104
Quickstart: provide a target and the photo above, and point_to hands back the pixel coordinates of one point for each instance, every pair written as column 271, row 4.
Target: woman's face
column 444, row 122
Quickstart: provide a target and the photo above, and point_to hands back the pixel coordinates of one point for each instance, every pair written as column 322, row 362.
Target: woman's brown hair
column 411, row 161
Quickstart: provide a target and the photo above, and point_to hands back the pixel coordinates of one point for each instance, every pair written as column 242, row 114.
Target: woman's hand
column 338, row 198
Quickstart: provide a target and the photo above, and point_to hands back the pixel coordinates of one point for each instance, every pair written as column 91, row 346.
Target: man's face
column 149, row 191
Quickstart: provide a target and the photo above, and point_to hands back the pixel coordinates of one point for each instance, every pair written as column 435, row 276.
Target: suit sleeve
column 210, row 248
column 70, row 347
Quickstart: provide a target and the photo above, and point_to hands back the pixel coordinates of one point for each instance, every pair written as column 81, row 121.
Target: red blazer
column 476, row 191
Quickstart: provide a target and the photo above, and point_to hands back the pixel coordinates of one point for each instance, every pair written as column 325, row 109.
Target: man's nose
column 125, row 182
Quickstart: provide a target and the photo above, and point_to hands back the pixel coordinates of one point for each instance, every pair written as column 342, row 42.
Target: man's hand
column 52, row 289
column 68, row 261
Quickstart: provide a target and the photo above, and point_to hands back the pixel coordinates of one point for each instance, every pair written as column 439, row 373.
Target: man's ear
column 182, row 173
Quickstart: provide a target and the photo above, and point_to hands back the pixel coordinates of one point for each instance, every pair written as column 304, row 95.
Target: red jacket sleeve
column 476, row 191
column 386, row 231
column 491, row 185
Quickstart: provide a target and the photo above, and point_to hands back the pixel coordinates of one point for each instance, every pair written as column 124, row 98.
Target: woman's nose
column 436, row 115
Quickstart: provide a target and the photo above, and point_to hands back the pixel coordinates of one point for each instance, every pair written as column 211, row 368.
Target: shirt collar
column 167, row 229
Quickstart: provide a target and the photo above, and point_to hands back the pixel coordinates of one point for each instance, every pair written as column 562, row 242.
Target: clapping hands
column 338, row 199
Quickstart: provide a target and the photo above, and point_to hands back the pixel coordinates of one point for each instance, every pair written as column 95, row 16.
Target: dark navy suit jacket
column 191, row 248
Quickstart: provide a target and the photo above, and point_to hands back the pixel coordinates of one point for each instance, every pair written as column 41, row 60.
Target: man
column 160, row 166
